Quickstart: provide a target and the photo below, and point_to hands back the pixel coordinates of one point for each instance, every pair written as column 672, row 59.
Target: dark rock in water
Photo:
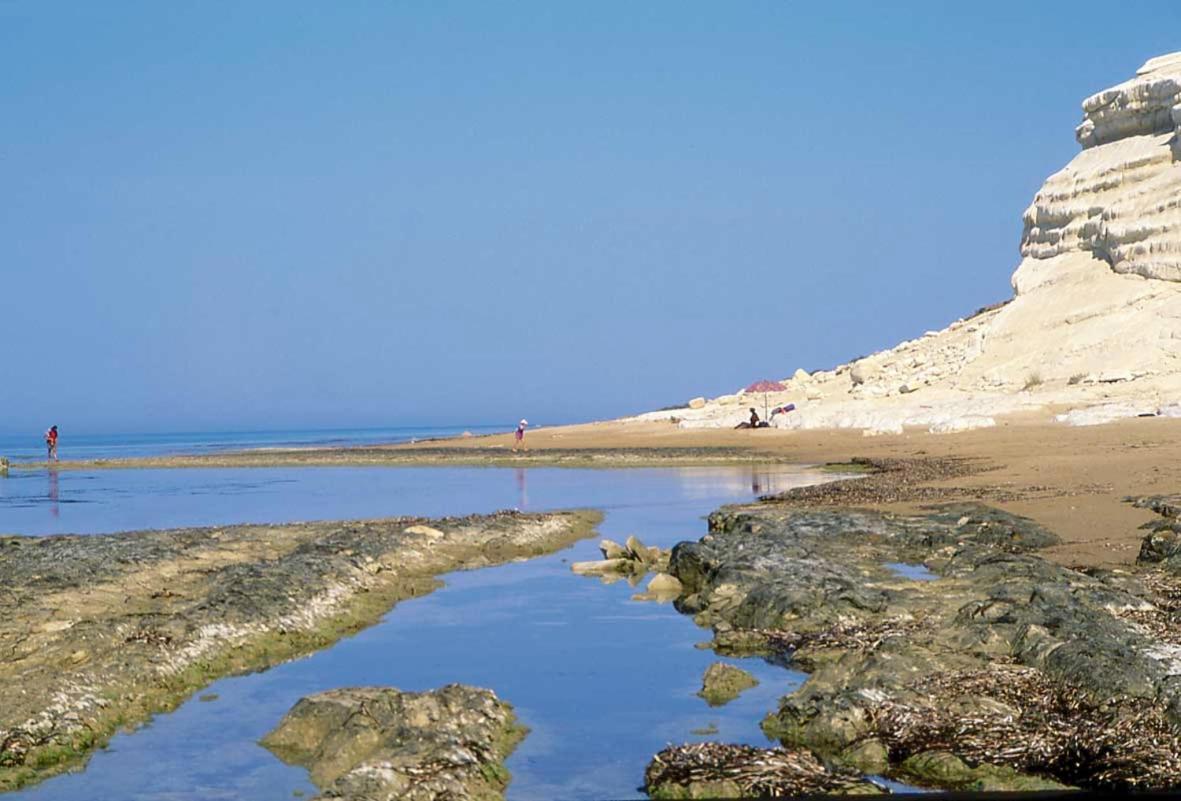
column 379, row 744
column 713, row 770
column 1006, row 672
column 722, row 683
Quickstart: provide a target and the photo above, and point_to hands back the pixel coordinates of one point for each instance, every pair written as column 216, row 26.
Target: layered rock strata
column 1095, row 319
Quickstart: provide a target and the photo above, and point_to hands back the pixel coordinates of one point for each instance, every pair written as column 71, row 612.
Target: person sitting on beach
column 755, row 422
column 51, row 444
column 519, row 436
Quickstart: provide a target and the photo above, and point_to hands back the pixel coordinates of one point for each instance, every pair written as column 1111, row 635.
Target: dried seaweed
column 1040, row 726
column 773, row 772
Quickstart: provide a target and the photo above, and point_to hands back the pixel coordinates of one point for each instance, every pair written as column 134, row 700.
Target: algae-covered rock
column 722, row 683
column 947, row 770
column 370, row 743
column 1025, row 671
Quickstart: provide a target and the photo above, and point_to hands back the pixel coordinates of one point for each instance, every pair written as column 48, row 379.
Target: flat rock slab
column 381, row 744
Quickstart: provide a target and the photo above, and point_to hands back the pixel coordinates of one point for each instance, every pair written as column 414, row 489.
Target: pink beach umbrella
column 764, row 387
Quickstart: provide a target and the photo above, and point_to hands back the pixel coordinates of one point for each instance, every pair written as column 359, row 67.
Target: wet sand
column 1072, row 480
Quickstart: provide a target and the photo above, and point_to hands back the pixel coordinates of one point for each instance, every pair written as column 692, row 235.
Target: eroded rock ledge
column 98, row 632
column 381, row 744
column 1005, row 671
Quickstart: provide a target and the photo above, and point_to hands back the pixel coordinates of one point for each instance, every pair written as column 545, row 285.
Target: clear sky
column 278, row 214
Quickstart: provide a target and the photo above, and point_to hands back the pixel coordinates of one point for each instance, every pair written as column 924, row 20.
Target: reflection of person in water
column 53, row 509
column 522, row 494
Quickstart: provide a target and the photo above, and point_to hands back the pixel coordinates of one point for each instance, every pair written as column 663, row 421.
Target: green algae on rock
column 102, row 632
column 371, row 743
column 722, row 683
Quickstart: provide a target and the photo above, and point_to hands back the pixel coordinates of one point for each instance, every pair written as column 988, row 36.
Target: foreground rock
column 380, row 744
column 1093, row 322
column 1006, row 672
column 710, row 770
column 722, row 683
column 104, row 631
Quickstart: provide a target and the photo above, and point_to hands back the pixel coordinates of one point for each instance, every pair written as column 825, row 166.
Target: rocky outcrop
column 381, row 744
column 1096, row 313
column 102, row 632
column 1005, row 672
column 722, row 683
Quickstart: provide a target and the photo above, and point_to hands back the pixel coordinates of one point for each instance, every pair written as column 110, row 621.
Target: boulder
column 722, row 683
column 369, row 743
column 613, row 550
column 637, row 550
column 697, row 403
column 664, row 584
column 859, row 373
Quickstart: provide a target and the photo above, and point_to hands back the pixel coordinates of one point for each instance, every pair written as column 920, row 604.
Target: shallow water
column 912, row 572
column 30, row 447
column 602, row 681
column 102, row 501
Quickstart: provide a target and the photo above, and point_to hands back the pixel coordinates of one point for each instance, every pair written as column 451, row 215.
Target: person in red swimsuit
column 51, row 444
column 519, row 436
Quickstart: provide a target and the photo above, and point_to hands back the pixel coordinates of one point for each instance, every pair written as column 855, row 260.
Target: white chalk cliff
column 1093, row 331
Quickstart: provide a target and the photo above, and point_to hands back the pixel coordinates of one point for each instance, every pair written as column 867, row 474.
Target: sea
column 30, row 446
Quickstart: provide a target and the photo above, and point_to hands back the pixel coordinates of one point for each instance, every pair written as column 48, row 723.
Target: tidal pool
column 603, row 681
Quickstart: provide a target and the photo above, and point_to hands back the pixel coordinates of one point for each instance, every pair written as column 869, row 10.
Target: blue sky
column 277, row 214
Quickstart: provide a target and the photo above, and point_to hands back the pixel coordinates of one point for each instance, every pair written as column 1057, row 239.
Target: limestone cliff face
column 1120, row 199
column 1096, row 315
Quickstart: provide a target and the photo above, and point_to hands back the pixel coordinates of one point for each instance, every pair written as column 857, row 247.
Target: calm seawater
column 82, row 445
column 602, row 681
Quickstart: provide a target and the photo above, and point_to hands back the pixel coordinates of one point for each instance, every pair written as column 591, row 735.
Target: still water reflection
column 602, row 681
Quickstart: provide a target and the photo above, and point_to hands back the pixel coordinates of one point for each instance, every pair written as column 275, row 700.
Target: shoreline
column 1070, row 479
column 912, row 498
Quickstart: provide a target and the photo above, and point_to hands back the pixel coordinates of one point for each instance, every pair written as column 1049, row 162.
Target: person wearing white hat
column 519, row 442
